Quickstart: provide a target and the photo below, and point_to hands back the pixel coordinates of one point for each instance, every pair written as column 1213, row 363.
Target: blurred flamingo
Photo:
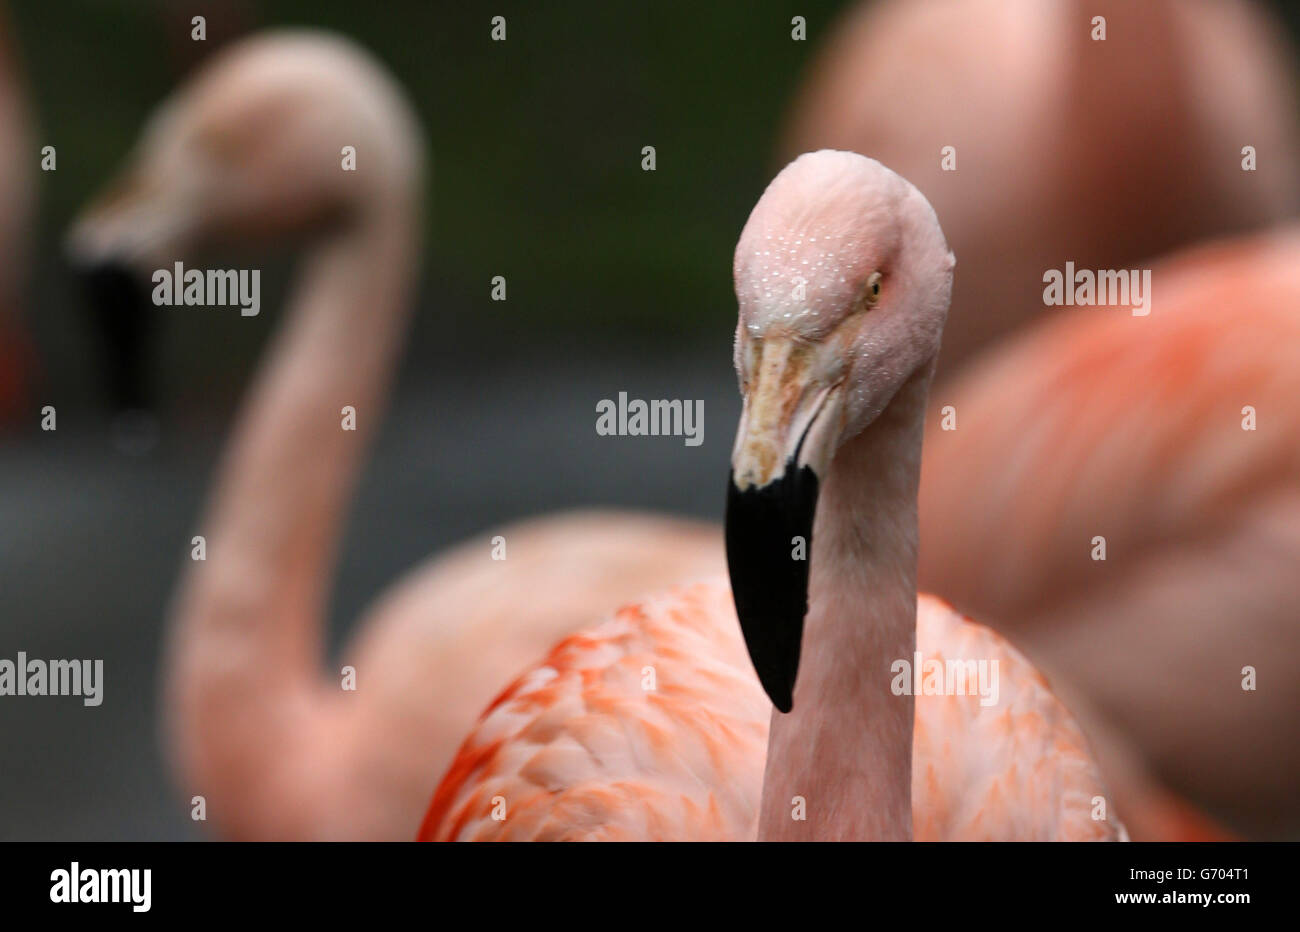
column 653, row 726
column 1104, row 152
column 1173, row 437
column 250, row 152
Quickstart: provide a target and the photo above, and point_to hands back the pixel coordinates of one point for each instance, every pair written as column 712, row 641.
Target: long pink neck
column 290, row 465
column 845, row 750
column 245, row 687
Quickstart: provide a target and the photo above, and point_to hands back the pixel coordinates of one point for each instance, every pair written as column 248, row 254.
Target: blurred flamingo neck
column 846, row 747
column 275, row 515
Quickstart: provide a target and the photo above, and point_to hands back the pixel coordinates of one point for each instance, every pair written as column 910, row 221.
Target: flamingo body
column 578, row 748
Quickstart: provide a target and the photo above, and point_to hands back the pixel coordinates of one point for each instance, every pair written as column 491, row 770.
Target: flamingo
column 653, row 724
column 249, row 151
column 1063, row 146
column 1063, row 151
column 1173, row 438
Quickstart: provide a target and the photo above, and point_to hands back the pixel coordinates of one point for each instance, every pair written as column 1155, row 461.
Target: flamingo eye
column 872, row 294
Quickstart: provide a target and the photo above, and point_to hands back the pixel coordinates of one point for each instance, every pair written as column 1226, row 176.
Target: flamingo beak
column 104, row 248
column 783, row 447
column 124, row 327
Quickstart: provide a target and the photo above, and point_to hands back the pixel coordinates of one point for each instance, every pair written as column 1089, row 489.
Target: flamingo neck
column 295, row 454
column 249, row 618
column 845, row 749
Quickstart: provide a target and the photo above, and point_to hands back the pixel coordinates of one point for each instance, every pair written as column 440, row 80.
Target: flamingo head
column 843, row 279
column 279, row 138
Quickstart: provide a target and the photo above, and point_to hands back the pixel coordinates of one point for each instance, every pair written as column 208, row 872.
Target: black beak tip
column 124, row 327
column 769, row 541
column 782, row 700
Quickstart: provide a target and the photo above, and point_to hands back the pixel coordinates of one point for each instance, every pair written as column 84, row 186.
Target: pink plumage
column 652, row 726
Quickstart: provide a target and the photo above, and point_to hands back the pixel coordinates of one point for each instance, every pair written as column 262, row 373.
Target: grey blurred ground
column 91, row 542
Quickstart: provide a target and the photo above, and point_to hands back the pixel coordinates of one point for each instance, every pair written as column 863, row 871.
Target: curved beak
column 783, row 447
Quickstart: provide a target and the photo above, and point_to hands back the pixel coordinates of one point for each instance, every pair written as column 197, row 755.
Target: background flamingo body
column 1064, row 147
column 1131, row 428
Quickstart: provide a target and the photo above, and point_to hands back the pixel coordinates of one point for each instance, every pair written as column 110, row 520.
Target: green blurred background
column 536, row 148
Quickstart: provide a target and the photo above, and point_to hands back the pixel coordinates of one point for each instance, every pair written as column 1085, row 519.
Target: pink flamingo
column 653, row 726
column 1063, row 146
column 248, row 152
column 1173, row 437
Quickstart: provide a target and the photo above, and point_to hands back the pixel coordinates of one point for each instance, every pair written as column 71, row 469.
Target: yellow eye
column 872, row 294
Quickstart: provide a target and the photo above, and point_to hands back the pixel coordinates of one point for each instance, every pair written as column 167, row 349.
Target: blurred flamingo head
column 279, row 139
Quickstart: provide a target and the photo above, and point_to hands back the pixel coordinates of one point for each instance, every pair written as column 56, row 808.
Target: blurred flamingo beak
column 124, row 326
